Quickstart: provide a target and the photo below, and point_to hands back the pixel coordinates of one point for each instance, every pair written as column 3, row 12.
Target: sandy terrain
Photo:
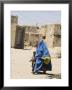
column 21, row 66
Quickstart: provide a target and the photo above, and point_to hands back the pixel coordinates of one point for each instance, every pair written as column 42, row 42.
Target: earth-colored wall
column 14, row 22
column 52, row 32
column 53, row 35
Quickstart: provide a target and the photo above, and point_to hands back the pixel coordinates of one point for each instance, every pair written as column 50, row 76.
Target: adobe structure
column 14, row 22
column 53, row 35
column 33, row 33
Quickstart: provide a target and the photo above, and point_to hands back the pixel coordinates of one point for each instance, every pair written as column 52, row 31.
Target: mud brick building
column 28, row 35
column 14, row 22
column 32, row 35
column 53, row 34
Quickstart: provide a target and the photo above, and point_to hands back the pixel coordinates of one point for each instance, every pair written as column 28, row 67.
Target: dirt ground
column 21, row 66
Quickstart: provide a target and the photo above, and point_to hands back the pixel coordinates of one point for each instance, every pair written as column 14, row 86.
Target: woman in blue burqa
column 41, row 51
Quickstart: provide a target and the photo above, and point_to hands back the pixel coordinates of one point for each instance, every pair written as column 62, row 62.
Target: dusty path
column 21, row 67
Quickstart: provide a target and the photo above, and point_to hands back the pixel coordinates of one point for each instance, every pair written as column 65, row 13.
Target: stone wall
column 14, row 22
column 53, row 35
column 19, row 37
column 54, row 40
column 33, row 33
column 52, row 32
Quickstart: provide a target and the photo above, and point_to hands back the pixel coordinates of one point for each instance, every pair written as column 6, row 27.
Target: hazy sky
column 37, row 17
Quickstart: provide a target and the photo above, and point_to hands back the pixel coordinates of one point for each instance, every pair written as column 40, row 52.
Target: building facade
column 14, row 22
column 32, row 34
column 53, row 35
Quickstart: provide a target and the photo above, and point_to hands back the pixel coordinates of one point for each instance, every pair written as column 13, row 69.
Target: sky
column 37, row 17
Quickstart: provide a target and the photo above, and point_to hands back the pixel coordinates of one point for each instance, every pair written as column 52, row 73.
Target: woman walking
column 41, row 51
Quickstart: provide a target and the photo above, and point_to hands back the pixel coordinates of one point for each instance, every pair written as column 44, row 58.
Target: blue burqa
column 41, row 51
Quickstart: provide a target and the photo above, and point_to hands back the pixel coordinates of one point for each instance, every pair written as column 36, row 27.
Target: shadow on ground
column 50, row 76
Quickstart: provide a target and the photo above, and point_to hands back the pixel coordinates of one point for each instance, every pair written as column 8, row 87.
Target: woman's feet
column 44, row 72
column 35, row 72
